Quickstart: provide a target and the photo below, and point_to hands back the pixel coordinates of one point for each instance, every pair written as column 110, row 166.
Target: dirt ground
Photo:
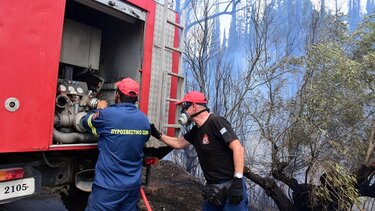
column 172, row 189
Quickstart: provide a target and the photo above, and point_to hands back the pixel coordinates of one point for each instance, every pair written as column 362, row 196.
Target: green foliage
column 364, row 38
column 337, row 100
column 335, row 93
column 337, row 189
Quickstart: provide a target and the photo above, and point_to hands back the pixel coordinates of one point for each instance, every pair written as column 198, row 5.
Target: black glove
column 236, row 191
column 154, row 132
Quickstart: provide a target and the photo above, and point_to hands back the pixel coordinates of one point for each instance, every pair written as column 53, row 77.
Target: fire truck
column 57, row 60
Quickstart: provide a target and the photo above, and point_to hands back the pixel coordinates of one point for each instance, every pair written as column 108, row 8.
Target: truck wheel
column 74, row 199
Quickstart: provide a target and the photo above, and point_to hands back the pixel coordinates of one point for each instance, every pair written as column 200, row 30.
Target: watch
column 238, row 175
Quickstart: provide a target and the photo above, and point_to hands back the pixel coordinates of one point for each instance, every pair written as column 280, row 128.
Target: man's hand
column 154, row 132
column 102, row 104
column 236, row 191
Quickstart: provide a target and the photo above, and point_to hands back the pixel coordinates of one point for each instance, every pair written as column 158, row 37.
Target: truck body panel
column 31, row 42
column 30, row 38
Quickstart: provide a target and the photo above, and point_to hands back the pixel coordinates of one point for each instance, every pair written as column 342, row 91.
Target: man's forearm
column 239, row 161
column 174, row 142
column 238, row 157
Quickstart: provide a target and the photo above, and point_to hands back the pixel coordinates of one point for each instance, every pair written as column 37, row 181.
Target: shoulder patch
column 223, row 130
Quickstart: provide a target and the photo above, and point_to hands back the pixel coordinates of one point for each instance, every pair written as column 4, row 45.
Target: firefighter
column 220, row 153
column 123, row 130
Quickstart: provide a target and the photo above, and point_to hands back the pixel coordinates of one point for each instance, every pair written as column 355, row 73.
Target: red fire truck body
column 57, row 59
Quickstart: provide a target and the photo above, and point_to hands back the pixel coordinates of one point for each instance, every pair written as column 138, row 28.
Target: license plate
column 17, row 188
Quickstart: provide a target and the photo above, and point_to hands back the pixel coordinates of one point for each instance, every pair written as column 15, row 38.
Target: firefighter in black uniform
column 220, row 153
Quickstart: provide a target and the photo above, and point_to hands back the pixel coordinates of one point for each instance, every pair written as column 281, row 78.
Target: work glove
column 236, row 191
column 154, row 132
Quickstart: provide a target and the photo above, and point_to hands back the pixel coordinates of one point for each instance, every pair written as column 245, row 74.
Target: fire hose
column 144, row 198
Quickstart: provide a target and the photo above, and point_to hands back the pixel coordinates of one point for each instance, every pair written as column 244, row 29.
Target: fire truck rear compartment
column 100, row 45
column 115, row 45
column 101, row 42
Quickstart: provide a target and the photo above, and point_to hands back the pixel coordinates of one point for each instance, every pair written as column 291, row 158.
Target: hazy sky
column 342, row 5
column 330, row 4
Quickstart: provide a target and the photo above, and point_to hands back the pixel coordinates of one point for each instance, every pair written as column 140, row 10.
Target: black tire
column 76, row 200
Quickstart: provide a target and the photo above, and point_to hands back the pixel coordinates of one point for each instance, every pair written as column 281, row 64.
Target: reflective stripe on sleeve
column 93, row 129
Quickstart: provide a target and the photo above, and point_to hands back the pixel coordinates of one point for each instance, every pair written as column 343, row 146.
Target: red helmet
column 128, row 87
column 193, row 97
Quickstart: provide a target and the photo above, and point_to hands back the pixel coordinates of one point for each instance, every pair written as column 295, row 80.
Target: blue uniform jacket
column 123, row 130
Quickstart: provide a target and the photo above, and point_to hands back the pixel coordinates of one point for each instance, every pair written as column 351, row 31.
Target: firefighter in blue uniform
column 123, row 130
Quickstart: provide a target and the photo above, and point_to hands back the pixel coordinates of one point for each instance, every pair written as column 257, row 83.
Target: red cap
column 193, row 97
column 128, row 87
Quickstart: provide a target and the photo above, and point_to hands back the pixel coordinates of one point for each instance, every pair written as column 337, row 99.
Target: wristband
column 238, row 175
